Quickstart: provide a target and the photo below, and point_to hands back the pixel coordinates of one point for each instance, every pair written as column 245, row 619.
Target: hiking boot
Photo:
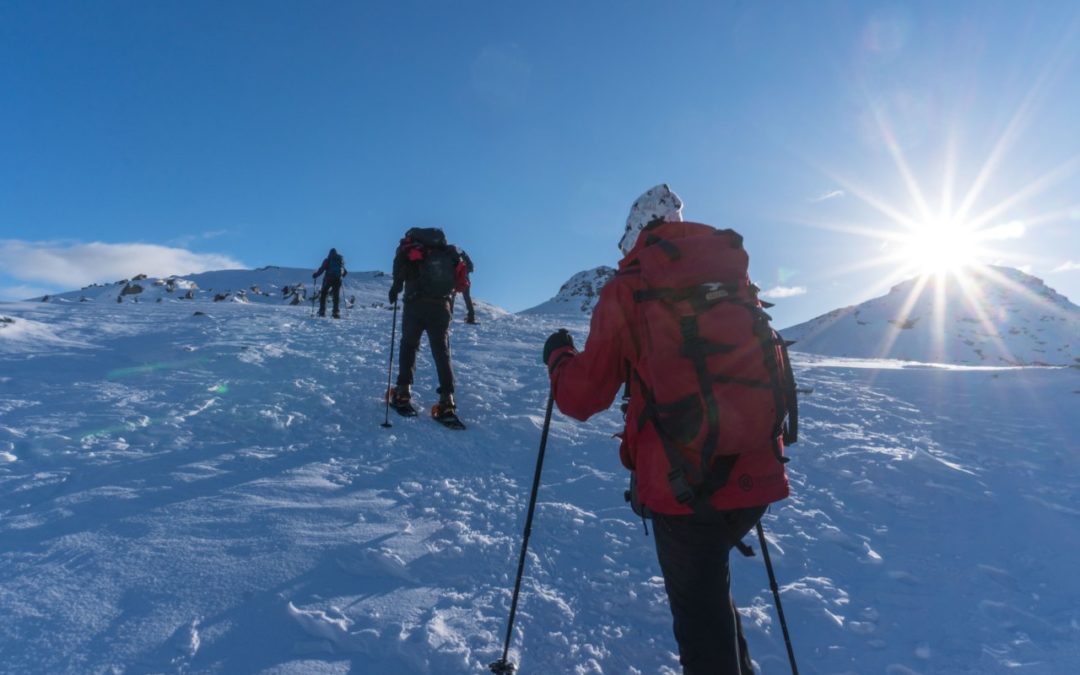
column 401, row 395
column 322, row 313
column 336, row 315
column 470, row 319
column 445, row 406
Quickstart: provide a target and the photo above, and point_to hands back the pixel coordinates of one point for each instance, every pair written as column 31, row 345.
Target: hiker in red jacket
column 681, row 325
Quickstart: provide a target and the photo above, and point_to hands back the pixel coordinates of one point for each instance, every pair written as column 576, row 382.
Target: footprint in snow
column 378, row 562
column 331, row 629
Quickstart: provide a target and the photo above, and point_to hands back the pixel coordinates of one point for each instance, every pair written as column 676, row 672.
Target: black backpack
column 438, row 272
column 334, row 266
column 436, row 261
column 428, row 237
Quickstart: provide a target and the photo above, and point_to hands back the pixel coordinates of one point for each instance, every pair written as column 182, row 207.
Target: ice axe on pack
column 504, row 666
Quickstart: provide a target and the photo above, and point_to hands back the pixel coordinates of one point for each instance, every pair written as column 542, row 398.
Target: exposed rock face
column 6, row 321
column 190, row 295
column 218, row 297
column 132, row 289
column 578, row 295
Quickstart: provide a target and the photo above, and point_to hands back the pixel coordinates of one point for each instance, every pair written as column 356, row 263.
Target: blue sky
column 176, row 135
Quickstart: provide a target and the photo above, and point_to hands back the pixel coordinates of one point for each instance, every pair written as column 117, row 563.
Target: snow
column 213, row 493
column 578, row 295
column 992, row 316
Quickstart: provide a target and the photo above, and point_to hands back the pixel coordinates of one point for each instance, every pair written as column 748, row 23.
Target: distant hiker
column 334, row 267
column 429, row 270
column 711, row 402
column 465, row 284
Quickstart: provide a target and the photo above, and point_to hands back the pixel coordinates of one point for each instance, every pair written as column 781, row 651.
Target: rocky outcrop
column 578, row 295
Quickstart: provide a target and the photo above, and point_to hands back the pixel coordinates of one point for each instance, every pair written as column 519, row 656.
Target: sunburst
column 949, row 244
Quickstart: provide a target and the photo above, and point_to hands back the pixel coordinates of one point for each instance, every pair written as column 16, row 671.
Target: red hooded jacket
column 586, row 383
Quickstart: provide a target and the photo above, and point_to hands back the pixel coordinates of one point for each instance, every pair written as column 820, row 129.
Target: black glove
column 557, row 341
column 393, row 296
column 314, row 275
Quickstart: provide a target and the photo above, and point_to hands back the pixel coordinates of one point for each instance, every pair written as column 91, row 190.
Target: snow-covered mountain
column 578, row 295
column 213, row 493
column 268, row 285
column 994, row 316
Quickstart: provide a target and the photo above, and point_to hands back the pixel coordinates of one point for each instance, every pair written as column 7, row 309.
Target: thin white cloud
column 72, row 265
column 1012, row 230
column 834, row 194
column 187, row 240
column 1067, row 266
column 783, row 292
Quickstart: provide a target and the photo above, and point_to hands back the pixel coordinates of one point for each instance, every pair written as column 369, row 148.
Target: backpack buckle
column 680, row 487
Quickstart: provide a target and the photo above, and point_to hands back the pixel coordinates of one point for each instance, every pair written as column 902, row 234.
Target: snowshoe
column 402, row 405
column 445, row 413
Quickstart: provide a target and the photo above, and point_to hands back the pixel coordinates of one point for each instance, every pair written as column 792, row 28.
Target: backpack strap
column 770, row 342
column 685, row 494
column 681, row 472
column 791, row 428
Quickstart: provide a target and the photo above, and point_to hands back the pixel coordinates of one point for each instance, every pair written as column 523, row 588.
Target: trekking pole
column 389, row 369
column 312, row 300
column 776, row 595
column 502, row 666
column 449, row 346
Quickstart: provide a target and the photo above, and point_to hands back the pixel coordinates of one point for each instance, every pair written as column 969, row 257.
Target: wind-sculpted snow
column 213, row 493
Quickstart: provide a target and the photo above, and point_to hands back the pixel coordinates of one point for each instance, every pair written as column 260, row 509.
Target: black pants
column 329, row 284
column 470, row 315
column 432, row 317
column 693, row 553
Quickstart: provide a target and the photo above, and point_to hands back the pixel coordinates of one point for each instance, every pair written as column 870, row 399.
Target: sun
column 938, row 247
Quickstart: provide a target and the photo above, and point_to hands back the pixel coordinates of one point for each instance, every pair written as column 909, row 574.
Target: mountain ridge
column 991, row 316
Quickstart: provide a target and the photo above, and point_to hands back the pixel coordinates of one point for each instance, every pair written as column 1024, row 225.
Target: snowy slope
column 578, row 295
column 213, row 493
column 269, row 285
column 1001, row 316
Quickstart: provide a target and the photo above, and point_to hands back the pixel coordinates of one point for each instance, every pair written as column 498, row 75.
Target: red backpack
column 715, row 376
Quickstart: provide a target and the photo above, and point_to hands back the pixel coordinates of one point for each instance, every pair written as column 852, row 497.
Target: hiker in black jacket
column 428, row 270
column 334, row 267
